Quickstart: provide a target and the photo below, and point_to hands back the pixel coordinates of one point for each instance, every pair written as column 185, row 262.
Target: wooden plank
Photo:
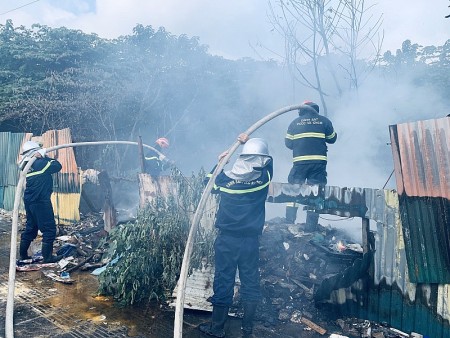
column 313, row 326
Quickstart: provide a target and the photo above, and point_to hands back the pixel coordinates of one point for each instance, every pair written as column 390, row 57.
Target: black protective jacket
column 39, row 186
column 153, row 165
column 308, row 135
column 242, row 204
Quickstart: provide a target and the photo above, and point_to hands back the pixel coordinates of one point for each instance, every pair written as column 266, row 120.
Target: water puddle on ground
column 72, row 304
column 81, row 301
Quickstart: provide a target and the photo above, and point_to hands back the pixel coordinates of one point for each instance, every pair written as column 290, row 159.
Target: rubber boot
column 23, row 249
column 47, row 253
column 215, row 328
column 249, row 315
column 312, row 221
column 291, row 214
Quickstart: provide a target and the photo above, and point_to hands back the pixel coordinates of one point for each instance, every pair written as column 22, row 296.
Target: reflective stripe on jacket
column 307, row 137
column 39, row 186
column 241, row 210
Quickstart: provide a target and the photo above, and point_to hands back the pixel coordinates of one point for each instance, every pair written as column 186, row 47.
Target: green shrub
column 150, row 251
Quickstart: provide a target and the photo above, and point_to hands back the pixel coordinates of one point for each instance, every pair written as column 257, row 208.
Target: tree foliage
column 150, row 84
column 429, row 65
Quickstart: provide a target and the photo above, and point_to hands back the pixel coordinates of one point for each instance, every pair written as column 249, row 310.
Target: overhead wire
column 384, row 186
column 15, row 9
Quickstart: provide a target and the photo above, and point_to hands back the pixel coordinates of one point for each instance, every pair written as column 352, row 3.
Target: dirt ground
column 46, row 308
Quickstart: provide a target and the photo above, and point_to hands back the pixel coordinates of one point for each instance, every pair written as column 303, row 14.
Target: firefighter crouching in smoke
column 307, row 136
column 240, row 220
column 38, row 206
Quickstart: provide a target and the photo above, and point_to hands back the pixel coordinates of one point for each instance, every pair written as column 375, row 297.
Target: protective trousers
column 312, row 218
column 39, row 217
column 233, row 253
column 310, row 173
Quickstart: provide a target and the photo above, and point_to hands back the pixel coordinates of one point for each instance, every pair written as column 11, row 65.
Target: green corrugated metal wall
column 1, row 198
column 9, row 172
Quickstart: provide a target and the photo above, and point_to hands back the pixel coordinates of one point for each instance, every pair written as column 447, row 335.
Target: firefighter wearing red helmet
column 307, row 136
column 154, row 164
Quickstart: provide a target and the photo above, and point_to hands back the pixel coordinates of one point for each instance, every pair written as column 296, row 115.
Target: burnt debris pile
column 294, row 263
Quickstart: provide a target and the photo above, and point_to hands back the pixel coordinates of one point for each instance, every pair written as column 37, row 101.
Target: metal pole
column 141, row 155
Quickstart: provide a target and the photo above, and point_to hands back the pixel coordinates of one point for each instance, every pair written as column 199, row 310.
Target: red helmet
column 311, row 104
column 162, row 142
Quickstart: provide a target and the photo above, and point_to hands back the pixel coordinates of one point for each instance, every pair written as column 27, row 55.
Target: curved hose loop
column 179, row 307
column 9, row 317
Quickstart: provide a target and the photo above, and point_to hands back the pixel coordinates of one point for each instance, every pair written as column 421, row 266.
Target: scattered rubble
column 294, row 262
column 79, row 244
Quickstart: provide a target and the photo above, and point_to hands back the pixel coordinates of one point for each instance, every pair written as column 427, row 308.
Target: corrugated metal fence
column 408, row 282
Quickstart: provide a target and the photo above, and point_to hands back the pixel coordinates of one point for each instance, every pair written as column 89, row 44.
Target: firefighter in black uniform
column 38, row 206
column 307, row 137
column 155, row 164
column 240, row 220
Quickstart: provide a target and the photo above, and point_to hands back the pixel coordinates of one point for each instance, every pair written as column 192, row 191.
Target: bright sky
column 231, row 28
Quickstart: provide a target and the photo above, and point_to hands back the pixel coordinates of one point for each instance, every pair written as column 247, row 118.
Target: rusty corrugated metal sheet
column 66, row 183
column 68, row 179
column 421, row 153
column 422, row 157
column 66, row 207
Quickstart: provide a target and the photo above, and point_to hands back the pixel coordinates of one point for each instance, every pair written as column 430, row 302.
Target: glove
column 42, row 151
column 242, row 138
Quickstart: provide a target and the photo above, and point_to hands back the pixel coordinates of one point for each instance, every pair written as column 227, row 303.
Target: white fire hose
column 9, row 318
column 179, row 307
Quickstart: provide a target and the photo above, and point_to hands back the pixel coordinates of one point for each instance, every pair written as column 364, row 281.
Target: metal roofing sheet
column 9, row 149
column 422, row 165
column 66, row 207
column 68, row 179
column 422, row 157
column 4, row 144
column 1, row 197
column 12, row 170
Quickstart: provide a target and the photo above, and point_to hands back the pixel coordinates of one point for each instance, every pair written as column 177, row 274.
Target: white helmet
column 30, row 145
column 255, row 146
